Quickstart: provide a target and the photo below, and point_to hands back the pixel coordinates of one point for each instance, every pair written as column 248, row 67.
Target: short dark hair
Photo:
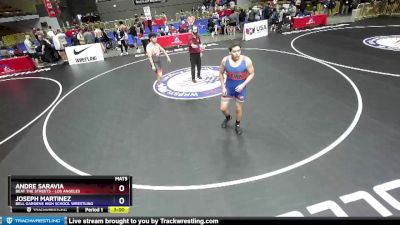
column 120, row 22
column 151, row 35
column 234, row 45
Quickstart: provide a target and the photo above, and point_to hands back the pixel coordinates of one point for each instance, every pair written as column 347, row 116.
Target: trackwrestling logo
column 178, row 84
column 391, row 42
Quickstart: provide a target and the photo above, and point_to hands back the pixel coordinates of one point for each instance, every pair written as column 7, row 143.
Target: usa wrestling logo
column 178, row 84
column 391, row 42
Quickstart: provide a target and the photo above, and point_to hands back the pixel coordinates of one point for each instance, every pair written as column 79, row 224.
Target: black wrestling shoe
column 193, row 80
column 224, row 124
column 199, row 77
column 238, row 130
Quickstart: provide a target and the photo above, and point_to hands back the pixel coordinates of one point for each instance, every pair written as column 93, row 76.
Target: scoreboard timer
column 88, row 194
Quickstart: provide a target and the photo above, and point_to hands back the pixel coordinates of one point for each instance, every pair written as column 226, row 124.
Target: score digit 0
column 121, row 188
column 121, row 200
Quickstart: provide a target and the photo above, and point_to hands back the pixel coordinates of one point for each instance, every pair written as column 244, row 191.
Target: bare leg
column 225, row 107
column 159, row 74
column 239, row 111
column 225, row 110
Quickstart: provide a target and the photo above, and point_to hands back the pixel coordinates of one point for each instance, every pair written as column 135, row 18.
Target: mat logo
column 9, row 220
column 382, row 190
column 178, row 84
column 391, row 42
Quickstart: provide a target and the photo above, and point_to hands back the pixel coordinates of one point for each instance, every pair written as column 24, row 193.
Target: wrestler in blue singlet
column 235, row 76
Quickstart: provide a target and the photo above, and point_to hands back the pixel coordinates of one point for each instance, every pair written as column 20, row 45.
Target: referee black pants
column 195, row 59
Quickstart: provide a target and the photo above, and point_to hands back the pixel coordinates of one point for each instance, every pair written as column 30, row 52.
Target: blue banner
column 25, row 220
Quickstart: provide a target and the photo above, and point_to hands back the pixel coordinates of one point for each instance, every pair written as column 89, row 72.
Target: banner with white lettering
column 140, row 2
column 84, row 53
column 255, row 30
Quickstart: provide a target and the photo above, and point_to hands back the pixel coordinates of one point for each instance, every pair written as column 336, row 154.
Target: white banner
column 84, row 53
column 147, row 12
column 255, row 30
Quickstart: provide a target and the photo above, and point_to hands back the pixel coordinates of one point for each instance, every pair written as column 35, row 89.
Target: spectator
column 122, row 26
column 97, row 35
column 302, row 7
column 50, row 33
column 150, row 24
column 4, row 52
column 224, row 24
column 251, row 16
column 31, row 48
column 142, row 19
column 315, row 6
column 210, row 27
column 274, row 19
column 292, row 9
column 160, row 31
column 233, row 20
column 329, row 5
column 183, row 28
column 47, row 51
column 166, row 29
column 34, row 32
column 122, row 38
column 345, row 7
column 80, row 37
column 88, row 36
column 172, row 29
column 38, row 32
column 133, row 32
column 136, row 19
column 104, row 39
column 267, row 11
column 182, row 15
column 242, row 19
column 203, row 9
column 297, row 3
column 17, row 52
column 139, row 32
column 164, row 17
column 60, row 42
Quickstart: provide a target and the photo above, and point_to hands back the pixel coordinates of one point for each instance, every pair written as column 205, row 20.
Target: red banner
column 174, row 40
column 49, row 8
column 16, row 65
column 309, row 21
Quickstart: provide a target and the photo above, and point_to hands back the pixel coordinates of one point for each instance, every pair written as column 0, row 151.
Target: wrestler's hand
column 224, row 91
column 153, row 68
column 239, row 88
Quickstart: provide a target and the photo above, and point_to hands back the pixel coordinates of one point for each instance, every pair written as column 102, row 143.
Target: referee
column 195, row 50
